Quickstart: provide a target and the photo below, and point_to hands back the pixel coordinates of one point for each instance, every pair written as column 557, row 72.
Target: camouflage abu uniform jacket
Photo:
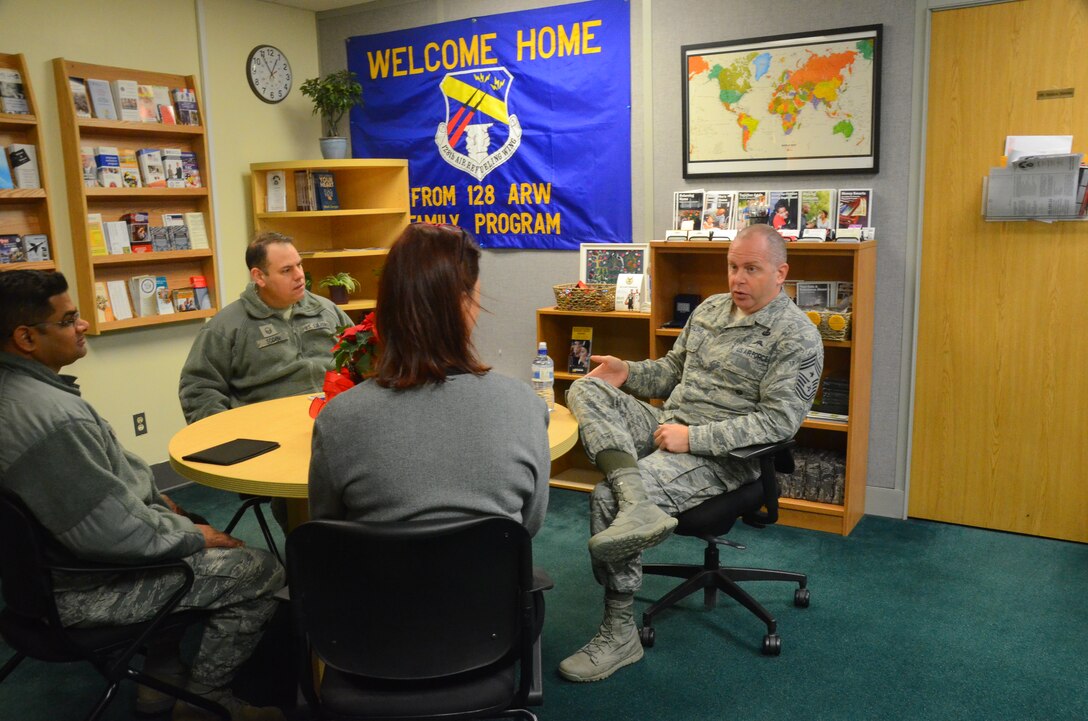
column 736, row 382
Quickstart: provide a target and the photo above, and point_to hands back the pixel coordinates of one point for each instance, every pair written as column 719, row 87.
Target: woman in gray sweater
column 433, row 434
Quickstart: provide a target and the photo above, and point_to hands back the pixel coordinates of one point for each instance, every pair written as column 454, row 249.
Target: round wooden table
column 284, row 472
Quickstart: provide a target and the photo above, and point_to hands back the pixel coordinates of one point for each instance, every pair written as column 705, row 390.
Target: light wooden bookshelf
column 699, row 268
column 374, row 210
column 25, row 211
column 112, row 203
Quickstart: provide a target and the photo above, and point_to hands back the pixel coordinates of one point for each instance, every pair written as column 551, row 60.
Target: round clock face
column 269, row 73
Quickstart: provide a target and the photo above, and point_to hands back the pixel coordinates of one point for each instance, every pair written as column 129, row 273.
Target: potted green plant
column 339, row 285
column 333, row 96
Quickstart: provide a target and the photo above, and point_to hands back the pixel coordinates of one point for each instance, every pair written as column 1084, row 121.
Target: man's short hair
column 257, row 251
column 776, row 244
column 24, row 298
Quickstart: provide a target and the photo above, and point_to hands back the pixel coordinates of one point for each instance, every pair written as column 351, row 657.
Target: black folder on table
column 235, row 451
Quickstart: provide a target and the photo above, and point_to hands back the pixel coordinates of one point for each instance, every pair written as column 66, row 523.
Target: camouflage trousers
column 235, row 584
column 608, row 418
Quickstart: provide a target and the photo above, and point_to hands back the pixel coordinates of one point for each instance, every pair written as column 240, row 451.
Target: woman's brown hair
column 429, row 276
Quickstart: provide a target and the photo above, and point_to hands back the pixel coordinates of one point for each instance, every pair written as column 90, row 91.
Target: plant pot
column 334, row 148
column 338, row 294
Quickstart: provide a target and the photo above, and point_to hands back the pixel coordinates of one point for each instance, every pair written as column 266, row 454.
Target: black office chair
column 255, row 503
column 715, row 517
column 416, row 620
column 30, row 624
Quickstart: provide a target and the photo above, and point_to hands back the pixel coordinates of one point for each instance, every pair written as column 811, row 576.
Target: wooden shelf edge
column 825, row 425
column 144, row 192
column 16, row 195
column 554, row 310
column 160, row 257
column 34, row 265
column 152, row 320
column 321, row 164
column 359, row 304
column 347, row 212
column 18, row 120
column 824, row 509
column 358, row 253
column 131, row 127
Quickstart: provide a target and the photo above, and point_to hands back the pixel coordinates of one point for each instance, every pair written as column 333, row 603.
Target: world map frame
column 814, row 95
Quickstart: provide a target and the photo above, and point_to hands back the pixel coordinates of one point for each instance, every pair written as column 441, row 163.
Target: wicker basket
column 594, row 297
column 832, row 324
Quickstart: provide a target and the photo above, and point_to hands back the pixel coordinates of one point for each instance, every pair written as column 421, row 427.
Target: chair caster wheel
column 646, row 636
column 772, row 644
column 801, row 598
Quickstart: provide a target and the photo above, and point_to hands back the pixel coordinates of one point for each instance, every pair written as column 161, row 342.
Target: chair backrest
column 25, row 581
column 412, row 600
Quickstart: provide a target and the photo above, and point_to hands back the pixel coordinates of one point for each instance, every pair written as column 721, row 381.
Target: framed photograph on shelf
column 604, row 262
column 800, row 103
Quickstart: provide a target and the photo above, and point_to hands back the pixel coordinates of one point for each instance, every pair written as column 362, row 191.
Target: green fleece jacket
column 248, row 353
column 64, row 461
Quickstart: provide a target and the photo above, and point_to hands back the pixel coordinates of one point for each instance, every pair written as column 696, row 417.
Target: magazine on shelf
column 785, row 211
column 817, row 210
column 752, row 208
column 12, row 92
column 24, row 165
column 102, row 306
column 718, row 208
column 80, row 97
column 101, row 99
column 855, row 208
column 36, row 247
column 118, row 295
column 687, row 206
column 126, row 99
column 581, row 347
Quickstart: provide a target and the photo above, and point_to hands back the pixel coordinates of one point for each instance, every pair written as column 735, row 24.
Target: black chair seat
column 756, row 504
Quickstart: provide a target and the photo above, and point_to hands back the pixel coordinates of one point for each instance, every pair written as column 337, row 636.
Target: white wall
column 137, row 370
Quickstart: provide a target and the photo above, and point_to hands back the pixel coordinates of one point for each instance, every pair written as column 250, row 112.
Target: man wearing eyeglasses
column 100, row 503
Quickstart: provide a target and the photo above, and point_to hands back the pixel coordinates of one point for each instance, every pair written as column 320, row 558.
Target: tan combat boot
column 638, row 525
column 616, row 645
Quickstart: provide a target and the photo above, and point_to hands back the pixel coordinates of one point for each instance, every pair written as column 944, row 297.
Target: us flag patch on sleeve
column 808, row 377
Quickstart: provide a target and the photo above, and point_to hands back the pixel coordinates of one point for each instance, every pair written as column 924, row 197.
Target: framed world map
column 800, row 103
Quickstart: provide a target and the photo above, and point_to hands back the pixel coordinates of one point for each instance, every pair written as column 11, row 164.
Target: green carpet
column 909, row 620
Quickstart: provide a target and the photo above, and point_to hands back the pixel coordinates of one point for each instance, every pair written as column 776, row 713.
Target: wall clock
column 269, row 73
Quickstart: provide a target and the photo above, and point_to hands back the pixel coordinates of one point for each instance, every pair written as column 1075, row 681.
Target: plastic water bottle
column 544, row 375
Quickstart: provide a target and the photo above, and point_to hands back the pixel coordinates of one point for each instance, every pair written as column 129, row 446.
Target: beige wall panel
column 1000, row 394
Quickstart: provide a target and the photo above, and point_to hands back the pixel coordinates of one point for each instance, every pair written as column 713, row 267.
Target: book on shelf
column 90, row 168
column 855, row 208
column 96, row 234
column 184, row 300
column 178, row 237
column 80, row 98
column 137, row 231
column 12, row 92
column 200, row 291
column 127, row 99
column 817, row 210
column 276, row 191
column 785, row 211
column 164, row 304
column 117, row 291
column 814, row 294
column 630, row 291
column 190, row 170
column 117, row 239
column 830, row 417
column 164, row 107
column 581, row 346
column 325, row 190
column 36, row 247
column 6, row 181
column 129, row 168
column 173, row 218
column 102, row 307
column 150, row 160
column 198, row 234
column 101, row 99
column 172, row 168
column 159, row 237
column 145, row 103
column 185, row 102
column 303, row 191
column 24, row 165
column 11, row 249
column 107, row 161
column 144, row 294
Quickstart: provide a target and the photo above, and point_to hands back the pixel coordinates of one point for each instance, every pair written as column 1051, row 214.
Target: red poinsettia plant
column 353, row 355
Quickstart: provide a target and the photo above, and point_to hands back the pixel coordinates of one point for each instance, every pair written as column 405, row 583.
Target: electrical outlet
column 139, row 422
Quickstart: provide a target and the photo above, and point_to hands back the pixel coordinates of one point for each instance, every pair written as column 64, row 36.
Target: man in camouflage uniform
column 744, row 370
column 100, row 503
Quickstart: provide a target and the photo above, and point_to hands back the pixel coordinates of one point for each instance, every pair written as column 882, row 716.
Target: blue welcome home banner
column 516, row 126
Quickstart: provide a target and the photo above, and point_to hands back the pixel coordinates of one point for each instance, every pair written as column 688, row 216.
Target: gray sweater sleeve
column 96, row 515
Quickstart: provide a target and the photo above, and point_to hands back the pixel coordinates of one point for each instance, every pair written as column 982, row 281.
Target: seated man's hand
column 171, row 505
column 218, row 539
column 610, row 369
column 672, row 437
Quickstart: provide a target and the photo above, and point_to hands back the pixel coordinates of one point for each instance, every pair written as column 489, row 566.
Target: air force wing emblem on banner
column 477, row 119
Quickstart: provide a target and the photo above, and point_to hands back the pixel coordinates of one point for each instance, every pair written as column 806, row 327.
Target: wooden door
column 1000, row 428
